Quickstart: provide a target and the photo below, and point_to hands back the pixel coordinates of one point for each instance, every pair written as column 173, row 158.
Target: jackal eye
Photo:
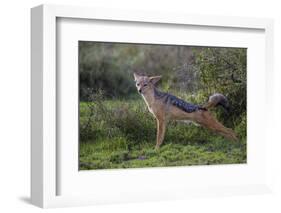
column 138, row 84
column 144, row 85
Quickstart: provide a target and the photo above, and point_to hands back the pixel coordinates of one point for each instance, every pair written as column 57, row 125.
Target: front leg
column 161, row 128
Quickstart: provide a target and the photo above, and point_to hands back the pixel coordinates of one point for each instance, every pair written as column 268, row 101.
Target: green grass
column 122, row 134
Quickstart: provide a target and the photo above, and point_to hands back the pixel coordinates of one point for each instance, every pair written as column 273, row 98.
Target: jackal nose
column 139, row 90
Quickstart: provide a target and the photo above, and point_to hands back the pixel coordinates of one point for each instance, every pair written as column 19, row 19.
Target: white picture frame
column 44, row 150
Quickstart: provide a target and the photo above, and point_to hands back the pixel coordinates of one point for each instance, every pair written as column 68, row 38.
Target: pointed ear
column 155, row 79
column 136, row 76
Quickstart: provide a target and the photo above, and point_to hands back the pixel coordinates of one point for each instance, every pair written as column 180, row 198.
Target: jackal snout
column 145, row 83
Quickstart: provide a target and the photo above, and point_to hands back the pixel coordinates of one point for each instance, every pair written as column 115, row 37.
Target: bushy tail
column 217, row 99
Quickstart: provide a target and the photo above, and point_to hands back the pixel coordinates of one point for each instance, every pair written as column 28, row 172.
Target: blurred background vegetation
column 113, row 117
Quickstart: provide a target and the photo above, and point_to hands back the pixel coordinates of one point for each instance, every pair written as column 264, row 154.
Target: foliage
column 110, row 66
column 223, row 70
column 126, row 139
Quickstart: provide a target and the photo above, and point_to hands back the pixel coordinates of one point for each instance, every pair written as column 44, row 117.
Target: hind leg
column 207, row 120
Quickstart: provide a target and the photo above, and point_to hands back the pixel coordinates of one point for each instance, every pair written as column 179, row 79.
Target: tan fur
column 164, row 112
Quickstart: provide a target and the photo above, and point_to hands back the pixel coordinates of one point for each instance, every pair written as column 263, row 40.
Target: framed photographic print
column 129, row 106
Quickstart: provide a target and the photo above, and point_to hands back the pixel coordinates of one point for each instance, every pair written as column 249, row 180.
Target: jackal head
column 145, row 84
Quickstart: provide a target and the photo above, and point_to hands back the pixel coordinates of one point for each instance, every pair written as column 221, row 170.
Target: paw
column 157, row 147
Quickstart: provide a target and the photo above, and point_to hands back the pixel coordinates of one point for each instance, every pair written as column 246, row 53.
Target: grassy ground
column 122, row 134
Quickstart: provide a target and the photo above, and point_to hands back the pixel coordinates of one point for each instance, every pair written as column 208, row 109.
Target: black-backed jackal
column 165, row 107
